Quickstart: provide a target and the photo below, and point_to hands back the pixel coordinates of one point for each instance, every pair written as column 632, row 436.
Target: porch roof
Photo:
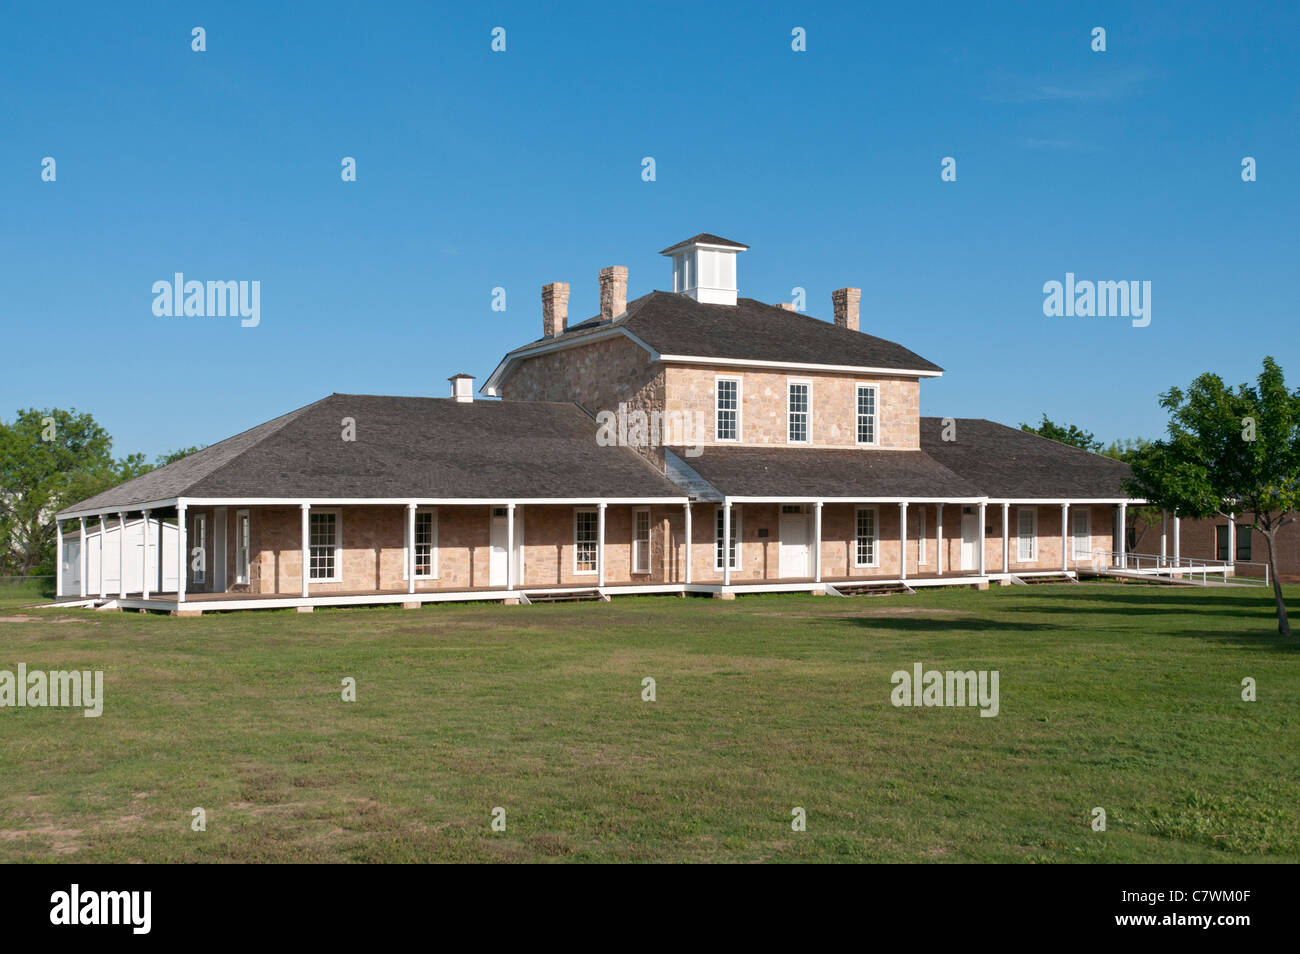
column 1006, row 462
column 404, row 447
column 809, row 472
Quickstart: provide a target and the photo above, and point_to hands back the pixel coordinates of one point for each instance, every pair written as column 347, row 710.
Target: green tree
column 48, row 459
column 1064, row 433
column 172, row 456
column 1229, row 451
column 1125, row 449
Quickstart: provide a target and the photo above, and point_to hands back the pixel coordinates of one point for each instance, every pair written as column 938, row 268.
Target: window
column 727, row 395
column 1221, row 542
column 733, row 551
column 426, row 552
column 241, row 546
column 641, row 541
column 199, row 542
column 865, row 552
column 1027, row 534
column 798, row 411
column 323, row 541
column 586, row 532
column 1243, row 541
column 866, row 414
column 1081, row 533
column 920, row 535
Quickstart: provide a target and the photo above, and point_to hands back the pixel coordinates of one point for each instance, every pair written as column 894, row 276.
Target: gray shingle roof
column 749, row 330
column 826, row 472
column 1008, row 462
column 704, row 238
column 405, row 447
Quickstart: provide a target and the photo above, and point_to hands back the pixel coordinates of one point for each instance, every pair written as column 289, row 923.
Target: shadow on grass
column 945, row 624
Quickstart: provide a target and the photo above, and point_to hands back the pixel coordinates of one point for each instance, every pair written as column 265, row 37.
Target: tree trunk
column 1283, row 624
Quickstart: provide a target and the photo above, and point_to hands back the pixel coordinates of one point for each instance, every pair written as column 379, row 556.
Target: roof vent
column 462, row 387
column 704, row 268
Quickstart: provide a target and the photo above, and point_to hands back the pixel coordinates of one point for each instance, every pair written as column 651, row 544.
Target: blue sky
column 479, row 169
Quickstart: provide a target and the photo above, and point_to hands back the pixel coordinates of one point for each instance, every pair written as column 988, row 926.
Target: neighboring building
column 1218, row 540
column 795, row 458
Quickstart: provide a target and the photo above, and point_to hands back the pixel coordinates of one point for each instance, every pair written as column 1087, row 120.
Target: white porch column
column 600, row 546
column 938, row 537
column 726, row 541
column 162, row 538
column 182, row 554
column 1177, row 553
column 510, row 548
column 817, row 541
column 103, row 540
column 1065, row 536
column 1164, row 537
column 983, row 510
column 1232, row 539
column 688, row 543
column 121, row 547
column 58, row 558
column 1006, row 536
column 410, row 548
column 144, row 554
column 1123, row 536
column 82, row 559
column 902, row 540
column 306, row 549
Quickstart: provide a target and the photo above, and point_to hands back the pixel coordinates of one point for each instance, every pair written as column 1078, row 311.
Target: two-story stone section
column 688, row 441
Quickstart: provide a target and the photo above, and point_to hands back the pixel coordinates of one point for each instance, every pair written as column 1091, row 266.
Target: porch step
column 573, row 596
column 869, row 589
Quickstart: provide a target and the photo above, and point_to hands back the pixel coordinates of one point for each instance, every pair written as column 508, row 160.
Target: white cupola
column 704, row 268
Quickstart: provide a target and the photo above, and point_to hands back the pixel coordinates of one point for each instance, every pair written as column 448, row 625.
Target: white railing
column 1153, row 564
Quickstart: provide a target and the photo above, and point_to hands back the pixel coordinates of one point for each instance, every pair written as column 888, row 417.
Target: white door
column 497, row 566
column 970, row 541
column 795, row 541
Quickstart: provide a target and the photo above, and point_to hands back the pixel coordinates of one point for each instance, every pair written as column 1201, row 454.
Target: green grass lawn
column 1121, row 697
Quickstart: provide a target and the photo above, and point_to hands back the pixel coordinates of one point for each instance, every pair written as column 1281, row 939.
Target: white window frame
column 337, row 576
column 198, row 540
column 808, row 414
column 243, row 547
column 638, row 566
column 874, row 538
column 1021, row 538
column 858, row 415
column 595, row 562
column 717, row 409
column 717, row 537
column 433, row 545
column 1076, row 537
column 920, row 535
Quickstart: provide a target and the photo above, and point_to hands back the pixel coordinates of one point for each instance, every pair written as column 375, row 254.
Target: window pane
column 728, row 409
column 585, row 533
column 798, row 429
column 717, row 539
column 322, row 538
column 866, row 538
column 424, row 544
column 866, row 415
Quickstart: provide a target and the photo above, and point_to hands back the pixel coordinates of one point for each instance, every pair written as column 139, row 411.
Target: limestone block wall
column 764, row 405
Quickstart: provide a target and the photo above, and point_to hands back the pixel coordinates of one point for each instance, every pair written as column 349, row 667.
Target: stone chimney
column 785, row 305
column 613, row 291
column 462, row 387
column 555, row 309
column 846, row 301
